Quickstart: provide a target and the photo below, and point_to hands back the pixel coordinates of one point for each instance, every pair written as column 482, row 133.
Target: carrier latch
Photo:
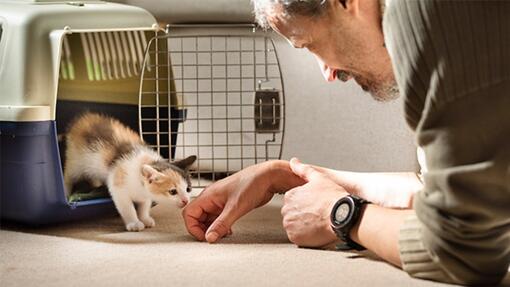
column 267, row 111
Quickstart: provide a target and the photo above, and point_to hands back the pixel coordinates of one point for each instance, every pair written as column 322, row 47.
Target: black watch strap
column 344, row 231
column 348, row 244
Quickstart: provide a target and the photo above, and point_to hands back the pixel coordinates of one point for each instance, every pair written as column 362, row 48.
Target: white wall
column 331, row 124
column 337, row 124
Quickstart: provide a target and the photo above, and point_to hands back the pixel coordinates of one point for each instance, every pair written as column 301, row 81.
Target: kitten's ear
column 150, row 173
column 186, row 163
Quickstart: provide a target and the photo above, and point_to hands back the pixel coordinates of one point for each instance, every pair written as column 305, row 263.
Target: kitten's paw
column 148, row 221
column 135, row 226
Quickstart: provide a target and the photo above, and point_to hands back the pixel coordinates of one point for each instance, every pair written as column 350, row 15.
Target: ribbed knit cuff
column 416, row 260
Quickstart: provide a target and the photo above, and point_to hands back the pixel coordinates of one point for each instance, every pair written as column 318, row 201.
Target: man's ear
column 186, row 163
column 150, row 174
column 351, row 6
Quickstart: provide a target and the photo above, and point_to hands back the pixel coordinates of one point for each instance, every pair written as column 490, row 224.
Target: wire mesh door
column 219, row 97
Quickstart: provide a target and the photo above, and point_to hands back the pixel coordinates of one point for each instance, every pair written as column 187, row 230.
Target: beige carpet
column 101, row 253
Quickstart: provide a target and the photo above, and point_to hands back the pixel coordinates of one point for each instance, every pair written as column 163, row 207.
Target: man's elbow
column 449, row 256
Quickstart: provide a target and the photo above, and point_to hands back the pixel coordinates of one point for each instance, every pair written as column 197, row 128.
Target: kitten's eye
column 173, row 191
column 188, row 189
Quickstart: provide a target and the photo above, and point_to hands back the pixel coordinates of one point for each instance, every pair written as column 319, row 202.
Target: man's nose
column 328, row 73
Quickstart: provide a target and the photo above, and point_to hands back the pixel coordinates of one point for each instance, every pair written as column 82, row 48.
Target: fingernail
column 212, row 236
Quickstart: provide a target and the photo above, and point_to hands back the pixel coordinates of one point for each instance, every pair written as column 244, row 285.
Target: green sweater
column 451, row 59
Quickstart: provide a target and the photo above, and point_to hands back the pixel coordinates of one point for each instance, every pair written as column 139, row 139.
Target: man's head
column 344, row 35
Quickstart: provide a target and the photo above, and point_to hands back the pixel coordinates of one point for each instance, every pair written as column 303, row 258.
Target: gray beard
column 382, row 92
column 386, row 93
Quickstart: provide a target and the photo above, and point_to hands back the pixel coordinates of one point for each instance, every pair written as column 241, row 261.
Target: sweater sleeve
column 455, row 77
column 464, row 208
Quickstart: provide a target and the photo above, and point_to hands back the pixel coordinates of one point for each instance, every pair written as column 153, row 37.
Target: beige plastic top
column 31, row 47
column 52, row 1
column 197, row 11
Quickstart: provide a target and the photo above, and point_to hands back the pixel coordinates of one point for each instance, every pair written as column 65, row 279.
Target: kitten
column 102, row 150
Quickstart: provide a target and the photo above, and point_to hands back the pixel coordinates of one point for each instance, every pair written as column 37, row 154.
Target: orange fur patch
column 119, row 176
column 107, row 135
column 86, row 127
column 169, row 181
column 107, row 154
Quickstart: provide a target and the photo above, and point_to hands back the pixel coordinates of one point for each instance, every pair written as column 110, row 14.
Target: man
column 451, row 62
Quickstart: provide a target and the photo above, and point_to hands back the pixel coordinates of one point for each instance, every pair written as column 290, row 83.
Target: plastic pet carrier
column 218, row 95
column 58, row 59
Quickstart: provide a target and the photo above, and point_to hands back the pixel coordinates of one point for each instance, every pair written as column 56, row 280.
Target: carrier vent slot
column 1, row 30
column 103, row 56
column 66, row 64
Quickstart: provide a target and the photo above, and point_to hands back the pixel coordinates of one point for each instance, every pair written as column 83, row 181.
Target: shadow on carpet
column 261, row 226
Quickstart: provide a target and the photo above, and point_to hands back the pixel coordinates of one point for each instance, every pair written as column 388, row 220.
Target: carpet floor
column 101, row 253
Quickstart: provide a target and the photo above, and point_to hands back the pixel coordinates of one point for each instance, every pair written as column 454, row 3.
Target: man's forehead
column 290, row 29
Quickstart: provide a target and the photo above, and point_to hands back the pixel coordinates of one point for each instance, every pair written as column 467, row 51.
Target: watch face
column 342, row 212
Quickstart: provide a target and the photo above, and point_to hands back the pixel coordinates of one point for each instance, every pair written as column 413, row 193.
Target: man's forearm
column 395, row 189
column 378, row 231
column 390, row 189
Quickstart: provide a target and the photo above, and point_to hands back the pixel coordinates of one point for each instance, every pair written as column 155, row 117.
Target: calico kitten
column 102, row 150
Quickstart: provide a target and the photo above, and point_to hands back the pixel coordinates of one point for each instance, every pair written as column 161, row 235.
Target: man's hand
column 211, row 215
column 387, row 189
column 306, row 211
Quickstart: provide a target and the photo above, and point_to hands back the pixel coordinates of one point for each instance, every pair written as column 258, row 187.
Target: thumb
column 302, row 170
column 221, row 226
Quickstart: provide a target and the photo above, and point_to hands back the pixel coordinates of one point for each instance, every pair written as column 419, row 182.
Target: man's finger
column 287, row 197
column 285, row 209
column 195, row 216
column 304, row 171
column 222, row 225
column 195, row 227
column 208, row 221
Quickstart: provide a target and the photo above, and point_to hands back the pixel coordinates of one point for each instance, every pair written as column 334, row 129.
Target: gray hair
column 310, row 8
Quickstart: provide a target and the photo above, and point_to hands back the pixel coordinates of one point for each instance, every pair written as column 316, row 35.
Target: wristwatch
column 344, row 215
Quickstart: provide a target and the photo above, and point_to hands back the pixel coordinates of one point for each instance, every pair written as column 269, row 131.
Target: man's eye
column 173, row 191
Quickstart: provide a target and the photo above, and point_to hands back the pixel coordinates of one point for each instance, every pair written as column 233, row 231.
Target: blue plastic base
column 31, row 179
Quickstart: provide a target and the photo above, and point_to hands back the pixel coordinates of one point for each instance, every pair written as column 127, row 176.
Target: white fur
column 83, row 164
column 131, row 191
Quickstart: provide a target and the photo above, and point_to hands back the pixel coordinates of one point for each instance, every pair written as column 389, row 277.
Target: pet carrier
column 56, row 59
column 218, row 95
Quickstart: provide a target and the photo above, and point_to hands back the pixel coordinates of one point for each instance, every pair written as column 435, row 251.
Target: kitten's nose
column 184, row 202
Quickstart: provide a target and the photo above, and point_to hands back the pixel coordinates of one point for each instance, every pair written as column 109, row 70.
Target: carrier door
column 215, row 92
